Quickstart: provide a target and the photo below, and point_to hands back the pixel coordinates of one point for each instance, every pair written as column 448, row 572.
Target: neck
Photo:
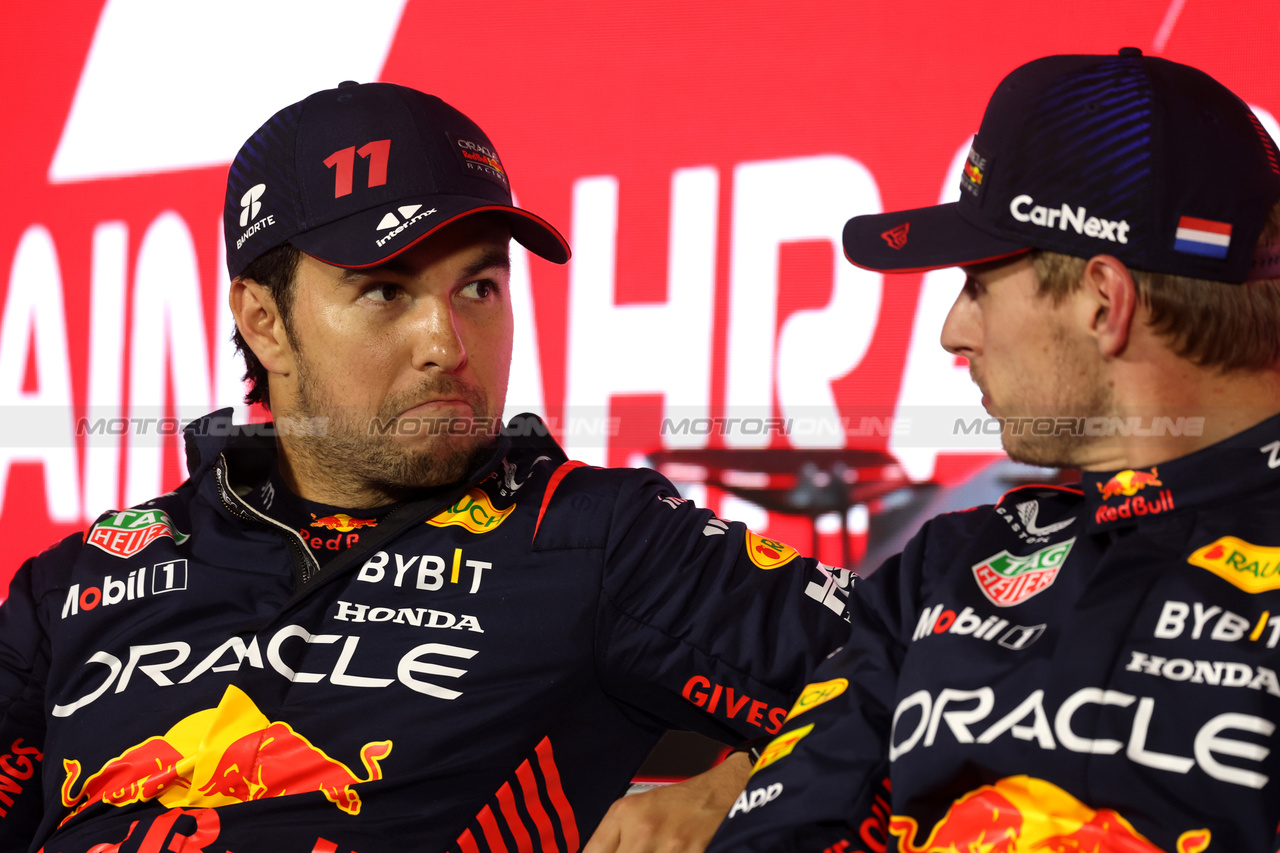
column 311, row 473
column 1170, row 411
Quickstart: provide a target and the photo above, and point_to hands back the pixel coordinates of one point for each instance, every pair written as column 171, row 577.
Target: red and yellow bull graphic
column 220, row 756
column 1128, row 483
column 127, row 532
column 1253, row 568
column 473, row 511
column 815, row 694
column 769, row 553
column 342, row 522
column 1021, row 814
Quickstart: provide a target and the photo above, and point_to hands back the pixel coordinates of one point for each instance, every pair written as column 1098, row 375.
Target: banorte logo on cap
column 249, row 201
column 250, row 207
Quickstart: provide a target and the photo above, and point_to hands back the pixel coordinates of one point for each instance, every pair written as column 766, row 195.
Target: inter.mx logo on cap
column 408, row 215
column 1007, row 580
column 129, row 531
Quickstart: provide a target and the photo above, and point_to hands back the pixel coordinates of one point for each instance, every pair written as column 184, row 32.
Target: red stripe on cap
column 551, row 775
column 507, row 803
column 552, row 485
column 1205, row 225
column 492, row 836
column 466, row 843
column 529, row 787
column 974, row 262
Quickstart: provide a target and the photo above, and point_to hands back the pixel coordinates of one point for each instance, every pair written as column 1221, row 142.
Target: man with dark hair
column 385, row 622
column 1090, row 668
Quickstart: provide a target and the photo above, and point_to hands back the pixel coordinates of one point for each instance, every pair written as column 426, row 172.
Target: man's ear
column 1112, row 299
column 260, row 324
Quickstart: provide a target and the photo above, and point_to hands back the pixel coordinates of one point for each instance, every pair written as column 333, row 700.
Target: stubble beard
column 385, row 457
column 1080, row 393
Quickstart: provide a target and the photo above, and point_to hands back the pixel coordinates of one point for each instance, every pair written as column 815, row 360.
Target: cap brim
column 927, row 238
column 374, row 236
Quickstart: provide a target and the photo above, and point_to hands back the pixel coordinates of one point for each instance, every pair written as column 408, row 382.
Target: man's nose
column 960, row 331
column 436, row 339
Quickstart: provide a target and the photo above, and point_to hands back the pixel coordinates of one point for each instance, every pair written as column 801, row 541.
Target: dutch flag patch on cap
column 1202, row 237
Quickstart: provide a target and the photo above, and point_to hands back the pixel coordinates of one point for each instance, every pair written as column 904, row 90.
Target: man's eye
column 482, row 289
column 383, row 292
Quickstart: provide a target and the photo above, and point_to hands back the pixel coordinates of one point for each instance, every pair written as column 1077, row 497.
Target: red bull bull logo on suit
column 1127, row 484
column 1020, row 814
column 220, row 756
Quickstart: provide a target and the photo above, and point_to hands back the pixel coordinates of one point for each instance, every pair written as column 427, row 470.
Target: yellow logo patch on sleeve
column 1253, row 568
column 781, row 746
column 474, row 511
column 769, row 553
column 815, row 694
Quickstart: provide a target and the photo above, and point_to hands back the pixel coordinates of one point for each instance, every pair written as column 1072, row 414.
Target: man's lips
column 431, row 407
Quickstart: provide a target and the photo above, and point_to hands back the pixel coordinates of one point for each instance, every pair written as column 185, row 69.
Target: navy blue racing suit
column 482, row 669
column 1090, row 668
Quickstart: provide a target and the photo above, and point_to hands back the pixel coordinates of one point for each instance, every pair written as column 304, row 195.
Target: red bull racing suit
column 1073, row 669
column 482, row 671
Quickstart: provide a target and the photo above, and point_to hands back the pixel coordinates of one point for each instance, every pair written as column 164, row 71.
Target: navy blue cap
column 1138, row 157
column 358, row 174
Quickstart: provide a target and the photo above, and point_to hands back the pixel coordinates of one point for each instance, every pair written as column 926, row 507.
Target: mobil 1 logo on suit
column 170, row 576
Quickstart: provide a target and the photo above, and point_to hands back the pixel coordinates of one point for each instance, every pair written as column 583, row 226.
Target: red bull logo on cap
column 1021, row 814
column 220, row 756
column 127, row 532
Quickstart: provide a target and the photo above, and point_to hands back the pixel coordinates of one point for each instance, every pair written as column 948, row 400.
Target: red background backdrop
column 112, row 274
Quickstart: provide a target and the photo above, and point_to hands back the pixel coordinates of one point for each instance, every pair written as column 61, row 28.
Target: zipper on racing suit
column 305, row 565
